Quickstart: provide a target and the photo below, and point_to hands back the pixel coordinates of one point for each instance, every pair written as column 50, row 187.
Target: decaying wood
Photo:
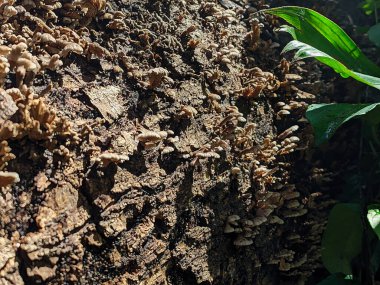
column 156, row 142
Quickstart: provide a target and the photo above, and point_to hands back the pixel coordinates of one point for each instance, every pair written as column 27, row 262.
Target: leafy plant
column 325, row 38
column 318, row 37
column 337, row 253
column 327, row 118
column 342, row 67
column 370, row 7
column 374, row 34
column 346, row 236
column 338, row 279
column 373, row 217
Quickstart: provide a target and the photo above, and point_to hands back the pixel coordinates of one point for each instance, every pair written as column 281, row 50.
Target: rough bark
column 166, row 151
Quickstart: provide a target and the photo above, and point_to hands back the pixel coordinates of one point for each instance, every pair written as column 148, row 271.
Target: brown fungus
column 8, row 178
column 106, row 158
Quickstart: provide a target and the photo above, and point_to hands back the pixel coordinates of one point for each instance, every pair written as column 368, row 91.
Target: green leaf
column 320, row 37
column 374, row 34
column 342, row 239
column 306, row 51
column 373, row 217
column 337, row 279
column 369, row 6
column 327, row 118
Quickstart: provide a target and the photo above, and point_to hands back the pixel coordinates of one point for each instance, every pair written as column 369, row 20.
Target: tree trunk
column 169, row 148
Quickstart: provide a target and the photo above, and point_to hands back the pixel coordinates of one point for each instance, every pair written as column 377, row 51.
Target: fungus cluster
column 29, row 49
column 203, row 115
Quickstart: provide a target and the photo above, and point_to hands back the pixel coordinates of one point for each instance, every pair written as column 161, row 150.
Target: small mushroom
column 157, row 76
column 275, row 220
column 294, row 213
column 264, row 212
column 148, row 136
column 47, row 38
column 71, row 48
column 188, row 112
column 288, row 132
column 235, row 170
column 233, row 220
column 228, row 229
column 107, row 158
column 167, row 149
column 8, row 178
column 242, row 241
column 259, row 220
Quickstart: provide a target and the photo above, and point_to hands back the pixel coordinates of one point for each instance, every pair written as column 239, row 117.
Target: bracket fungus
column 106, row 158
column 8, row 178
column 194, row 76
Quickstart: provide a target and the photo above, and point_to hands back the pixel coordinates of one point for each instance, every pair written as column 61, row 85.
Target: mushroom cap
column 7, row 106
column 147, row 136
column 228, row 229
column 233, row 218
column 47, row 38
column 28, row 64
column 259, row 220
column 242, row 241
column 71, row 47
column 107, row 157
column 8, row 178
column 4, row 50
